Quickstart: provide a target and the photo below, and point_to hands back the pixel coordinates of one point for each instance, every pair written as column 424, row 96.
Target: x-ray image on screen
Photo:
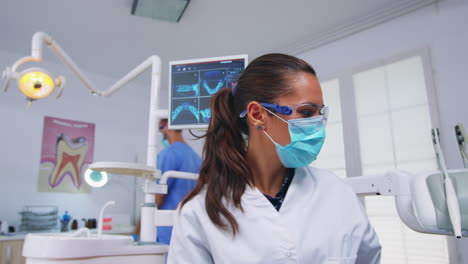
column 212, row 81
column 205, row 113
column 185, row 111
column 192, row 84
column 186, row 84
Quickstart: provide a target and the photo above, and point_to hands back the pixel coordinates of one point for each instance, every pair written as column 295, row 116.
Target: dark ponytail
column 225, row 172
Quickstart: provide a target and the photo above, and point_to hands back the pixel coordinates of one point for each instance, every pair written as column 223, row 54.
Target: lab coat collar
column 252, row 195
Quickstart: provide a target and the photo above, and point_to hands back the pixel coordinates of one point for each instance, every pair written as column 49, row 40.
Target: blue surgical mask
column 165, row 142
column 307, row 137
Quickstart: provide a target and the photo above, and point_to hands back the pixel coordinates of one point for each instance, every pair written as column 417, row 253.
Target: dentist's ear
column 256, row 115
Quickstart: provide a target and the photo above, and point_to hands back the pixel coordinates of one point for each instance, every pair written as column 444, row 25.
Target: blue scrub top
column 176, row 157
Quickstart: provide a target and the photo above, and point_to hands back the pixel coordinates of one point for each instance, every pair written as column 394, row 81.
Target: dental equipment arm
column 166, row 217
column 174, row 174
column 451, row 195
column 393, row 183
column 39, row 38
column 150, row 215
column 162, row 217
column 177, row 174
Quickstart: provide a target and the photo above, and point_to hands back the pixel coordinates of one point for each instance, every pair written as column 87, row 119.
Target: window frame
column 353, row 162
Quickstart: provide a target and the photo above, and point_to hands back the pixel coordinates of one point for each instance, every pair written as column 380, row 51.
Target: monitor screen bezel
column 202, row 60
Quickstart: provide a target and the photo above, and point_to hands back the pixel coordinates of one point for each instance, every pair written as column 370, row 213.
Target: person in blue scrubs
column 177, row 156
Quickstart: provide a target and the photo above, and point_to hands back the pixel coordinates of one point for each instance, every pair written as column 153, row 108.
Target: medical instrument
column 462, row 143
column 451, row 195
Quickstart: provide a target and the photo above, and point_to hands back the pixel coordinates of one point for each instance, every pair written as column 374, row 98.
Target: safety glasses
column 302, row 110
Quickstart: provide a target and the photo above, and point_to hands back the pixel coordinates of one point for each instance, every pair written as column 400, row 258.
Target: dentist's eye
column 307, row 110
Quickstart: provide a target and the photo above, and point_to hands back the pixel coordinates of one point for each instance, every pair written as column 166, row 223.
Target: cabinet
column 11, row 252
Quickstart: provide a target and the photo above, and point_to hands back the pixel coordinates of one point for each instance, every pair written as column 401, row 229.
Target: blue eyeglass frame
column 163, row 126
column 285, row 110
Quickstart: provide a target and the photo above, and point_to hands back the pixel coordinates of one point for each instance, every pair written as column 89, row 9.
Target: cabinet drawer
column 11, row 252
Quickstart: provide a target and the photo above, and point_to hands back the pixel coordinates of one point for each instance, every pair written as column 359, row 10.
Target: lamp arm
column 38, row 40
column 177, row 174
column 21, row 61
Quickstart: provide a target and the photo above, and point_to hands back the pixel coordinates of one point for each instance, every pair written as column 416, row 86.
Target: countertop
column 22, row 235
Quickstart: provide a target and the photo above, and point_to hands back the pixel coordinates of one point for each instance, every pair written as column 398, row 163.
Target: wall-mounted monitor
column 192, row 83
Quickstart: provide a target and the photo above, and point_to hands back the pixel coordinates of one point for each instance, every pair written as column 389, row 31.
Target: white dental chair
column 420, row 198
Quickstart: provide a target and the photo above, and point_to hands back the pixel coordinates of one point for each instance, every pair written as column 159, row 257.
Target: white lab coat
column 321, row 220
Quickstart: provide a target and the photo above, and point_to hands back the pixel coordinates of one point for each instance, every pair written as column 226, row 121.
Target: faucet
column 101, row 213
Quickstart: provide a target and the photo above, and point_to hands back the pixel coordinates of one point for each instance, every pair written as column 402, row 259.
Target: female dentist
column 257, row 200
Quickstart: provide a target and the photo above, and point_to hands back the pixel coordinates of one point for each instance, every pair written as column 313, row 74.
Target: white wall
column 443, row 28
column 121, row 135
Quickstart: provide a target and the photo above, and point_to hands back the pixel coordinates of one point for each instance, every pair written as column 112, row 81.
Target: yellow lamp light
column 36, row 83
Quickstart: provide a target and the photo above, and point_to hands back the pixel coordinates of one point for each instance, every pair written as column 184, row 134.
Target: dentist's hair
column 225, row 172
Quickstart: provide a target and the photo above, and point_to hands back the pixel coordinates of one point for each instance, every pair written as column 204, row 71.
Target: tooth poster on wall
column 67, row 151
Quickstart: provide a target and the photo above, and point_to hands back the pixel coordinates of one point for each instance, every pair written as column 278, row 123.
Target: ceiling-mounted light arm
column 10, row 73
column 38, row 40
column 152, row 61
column 41, row 38
column 23, row 60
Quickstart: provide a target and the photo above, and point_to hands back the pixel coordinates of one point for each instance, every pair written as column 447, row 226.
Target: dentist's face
column 306, row 90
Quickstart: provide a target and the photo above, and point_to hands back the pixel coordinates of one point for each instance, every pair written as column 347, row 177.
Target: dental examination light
column 429, row 202
column 96, row 178
column 39, row 79
column 34, row 83
column 37, row 84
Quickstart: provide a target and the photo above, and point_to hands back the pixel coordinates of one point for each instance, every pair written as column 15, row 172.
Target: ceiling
column 102, row 37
